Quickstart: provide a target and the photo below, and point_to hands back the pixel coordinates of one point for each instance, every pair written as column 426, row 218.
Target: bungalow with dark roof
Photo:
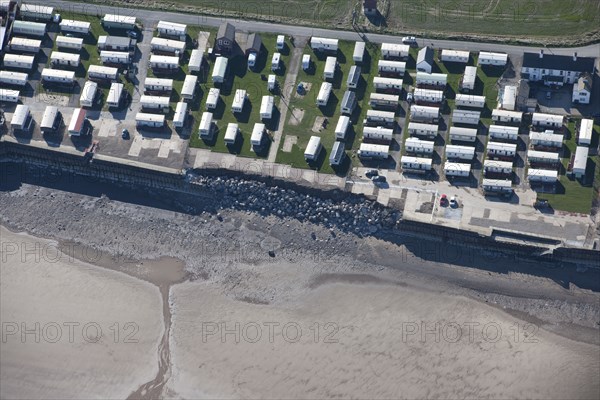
column 225, row 38
column 253, row 44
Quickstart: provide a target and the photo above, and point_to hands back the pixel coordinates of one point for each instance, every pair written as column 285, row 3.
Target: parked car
column 548, row 95
column 453, row 202
column 371, row 173
column 379, row 179
column 132, row 34
column 409, row 40
column 443, row 200
column 410, row 97
column 125, row 134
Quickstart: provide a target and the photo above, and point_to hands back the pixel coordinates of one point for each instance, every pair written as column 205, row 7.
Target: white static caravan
column 167, row 46
column 415, row 164
column 423, row 78
column 384, row 101
column 353, row 77
column 20, row 118
column 13, row 78
column 416, row 145
column 542, row 157
column 36, row 12
column 391, row 68
column 158, row 85
column 114, row 57
column 88, row 94
column 280, row 43
column 377, row 134
column 497, row 186
column 271, row 82
column 25, row 45
column 465, row 117
column 115, row 94
column 542, row 175
column 500, row 149
column 457, row 169
column 330, row 67
column 503, row 132
column 463, row 134
column 359, row 52
column 429, row 131
column 580, row 162
column 164, row 62
column 380, row 118
column 258, row 135
column 266, row 107
column 313, row 148
column 467, row 100
column 212, row 99
column 469, row 77
column 180, row 114
column 511, row 117
column 428, row 96
column 157, row 103
column 50, row 121
column 239, row 100
column 498, row 167
column 457, row 56
column 188, row 90
column 324, row 44
column 206, row 130
column 388, row 85
column 306, row 62
column 586, row 129
column 460, row 152
column 9, row 95
column 29, row 28
column 424, row 113
column 77, row 122
column 118, row 21
column 69, row 43
column 116, row 43
column 341, row 129
column 369, row 151
column 195, row 63
column 546, row 139
column 509, row 98
column 392, row 50
column 172, row 29
column 276, row 62
column 99, row 72
column 18, row 61
column 324, row 93
column 65, row 59
column 348, row 103
column 58, row 76
column 495, row 59
column 72, row 26
column 219, row 70
column 547, row 120
column 146, row 120
column 338, row 151
column 231, row 133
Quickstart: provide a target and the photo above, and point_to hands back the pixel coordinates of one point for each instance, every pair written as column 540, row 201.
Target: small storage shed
column 88, row 94
column 206, row 129
column 455, row 169
column 465, row 117
column 180, row 114
column 580, row 162
column 239, row 100
column 463, row 134
column 359, row 52
column 231, row 133
column 266, row 107
column 212, row 99
column 324, row 93
column 460, row 152
column 370, row 151
column 586, row 128
column 330, row 68
column 258, row 135
column 219, row 70
column 467, row 100
column 423, row 130
column 341, row 129
column 313, row 149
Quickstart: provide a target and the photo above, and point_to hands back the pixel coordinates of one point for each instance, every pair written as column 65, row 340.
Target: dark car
column 379, row 179
column 125, row 134
column 371, row 173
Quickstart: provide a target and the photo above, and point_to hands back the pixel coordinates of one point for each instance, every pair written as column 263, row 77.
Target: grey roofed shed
column 253, row 44
column 226, row 30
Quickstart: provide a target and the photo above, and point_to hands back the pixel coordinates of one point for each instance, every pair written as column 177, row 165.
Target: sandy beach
column 97, row 330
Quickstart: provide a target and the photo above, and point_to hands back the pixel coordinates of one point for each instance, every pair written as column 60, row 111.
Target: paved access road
column 256, row 26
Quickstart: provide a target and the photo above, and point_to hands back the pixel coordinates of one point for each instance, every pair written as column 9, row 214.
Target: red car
column 443, row 200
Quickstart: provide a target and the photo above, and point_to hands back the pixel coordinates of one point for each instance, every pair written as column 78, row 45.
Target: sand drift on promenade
column 362, row 352
column 67, row 296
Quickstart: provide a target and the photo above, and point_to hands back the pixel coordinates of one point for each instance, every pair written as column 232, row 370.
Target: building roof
column 584, row 83
column 254, row 42
column 226, row 30
column 558, row 62
column 425, row 54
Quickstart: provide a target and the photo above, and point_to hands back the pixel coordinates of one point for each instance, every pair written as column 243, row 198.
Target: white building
column 50, row 121
column 64, row 59
column 219, row 70
column 276, row 62
column 157, row 103
column 313, row 148
column 370, row 151
column 429, row 96
column 172, row 29
column 338, row 151
column 306, row 62
column 423, row 78
column 146, row 120
column 393, row 50
column 114, row 57
column 460, row 152
column 206, row 130
column 547, row 120
column 463, row 134
column 388, row 85
column 77, row 122
column 546, row 139
column 29, row 28
column 391, row 68
column 467, row 100
column 330, row 67
column 461, row 170
column 180, row 114
column 542, row 175
column 425, row 60
column 353, row 77
column 455, row 56
column 99, row 72
column 118, row 21
column 72, row 26
column 469, row 77
column 494, row 59
column 231, row 133
column 582, row 89
column 280, row 43
column 586, row 128
column 359, row 52
column 188, row 90
column 239, row 99
column 497, row 186
column 13, row 78
column 499, row 149
column 416, row 145
column 116, row 43
column 266, row 107
column 36, row 12
column 466, row 117
column 380, row 118
column 115, row 94
column 25, row 45
column 341, row 129
column 212, row 100
column 88, row 94
column 167, row 46
column 69, row 43
column 542, row 157
column 9, row 95
column 20, row 119
column 511, row 117
column 415, row 164
column 164, row 62
column 424, row 113
column 384, row 101
column 509, row 98
column 502, row 132
column 258, row 135
column 423, row 130
column 377, row 134
column 195, row 63
column 19, row 61
column 58, row 76
column 158, row 85
column 580, row 162
column 271, row 82
column 324, row 44
column 324, row 93
column 498, row 167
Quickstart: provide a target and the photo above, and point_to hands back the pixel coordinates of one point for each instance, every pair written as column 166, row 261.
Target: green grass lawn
column 302, row 127
column 240, row 77
column 573, row 196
